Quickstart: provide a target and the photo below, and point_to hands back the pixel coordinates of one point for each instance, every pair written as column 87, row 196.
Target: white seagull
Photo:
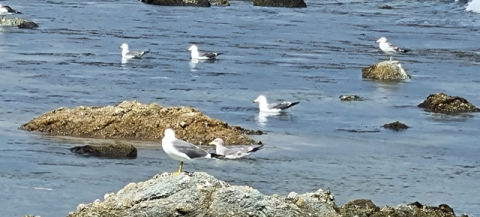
column 194, row 54
column 5, row 10
column 234, row 152
column 388, row 48
column 181, row 150
column 264, row 106
column 127, row 54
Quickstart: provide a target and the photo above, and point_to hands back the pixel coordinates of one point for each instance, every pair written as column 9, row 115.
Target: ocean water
column 312, row 55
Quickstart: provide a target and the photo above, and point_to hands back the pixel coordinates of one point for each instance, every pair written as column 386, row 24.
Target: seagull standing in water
column 388, row 48
column 127, row 54
column 234, row 152
column 194, row 54
column 264, row 106
column 181, row 150
column 5, row 10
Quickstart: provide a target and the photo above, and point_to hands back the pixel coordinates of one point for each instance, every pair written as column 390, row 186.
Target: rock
column 386, row 7
column 117, row 150
column 386, row 70
column 200, row 194
column 18, row 22
column 442, row 103
column 397, row 126
column 134, row 120
column 219, row 3
column 349, row 98
column 280, row 3
column 197, row 3
column 365, row 207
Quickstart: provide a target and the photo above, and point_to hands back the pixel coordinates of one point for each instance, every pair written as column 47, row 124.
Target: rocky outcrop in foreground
column 134, row 120
column 18, row 22
column 196, row 3
column 200, row 194
column 442, row 103
column 386, row 70
column 119, row 150
column 280, row 3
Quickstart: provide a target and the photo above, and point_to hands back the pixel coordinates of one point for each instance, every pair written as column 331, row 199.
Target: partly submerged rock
column 197, row 3
column 134, row 120
column 280, row 3
column 386, row 70
column 18, row 22
column 200, row 194
column 118, row 150
column 365, row 207
column 397, row 126
column 442, row 103
column 348, row 98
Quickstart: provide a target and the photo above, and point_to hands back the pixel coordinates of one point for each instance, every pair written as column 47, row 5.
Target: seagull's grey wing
column 254, row 148
column 137, row 54
column 209, row 55
column 191, row 150
column 282, row 106
column 235, row 151
column 395, row 48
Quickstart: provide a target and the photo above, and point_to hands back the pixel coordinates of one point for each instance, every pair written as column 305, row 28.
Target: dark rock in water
column 386, row 7
column 134, row 120
column 280, row 3
column 197, row 3
column 117, row 150
column 219, row 3
column 28, row 25
column 365, row 207
column 442, row 103
column 397, row 125
column 200, row 194
column 386, row 70
column 349, row 98
column 18, row 22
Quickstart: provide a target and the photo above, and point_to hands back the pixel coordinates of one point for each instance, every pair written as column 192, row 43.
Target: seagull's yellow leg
column 179, row 169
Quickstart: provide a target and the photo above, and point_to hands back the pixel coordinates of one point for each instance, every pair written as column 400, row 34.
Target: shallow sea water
column 312, row 55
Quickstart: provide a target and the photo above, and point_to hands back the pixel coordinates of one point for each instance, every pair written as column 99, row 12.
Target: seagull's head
column 193, row 48
column 216, row 142
column 260, row 99
column 169, row 133
column 381, row 40
column 124, row 46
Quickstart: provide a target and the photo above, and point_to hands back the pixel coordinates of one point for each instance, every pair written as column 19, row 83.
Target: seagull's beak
column 211, row 143
column 254, row 101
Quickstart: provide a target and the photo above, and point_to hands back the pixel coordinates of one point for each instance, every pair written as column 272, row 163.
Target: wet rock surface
column 134, row 120
column 200, row 194
column 118, row 150
column 365, row 207
column 386, row 70
column 349, row 98
column 397, row 126
column 18, row 22
column 280, row 3
column 197, row 3
column 219, row 3
column 442, row 103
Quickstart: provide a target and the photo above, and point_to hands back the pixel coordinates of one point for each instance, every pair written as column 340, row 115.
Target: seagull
column 234, row 152
column 131, row 54
column 201, row 56
column 264, row 106
column 5, row 10
column 181, row 150
column 388, row 48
